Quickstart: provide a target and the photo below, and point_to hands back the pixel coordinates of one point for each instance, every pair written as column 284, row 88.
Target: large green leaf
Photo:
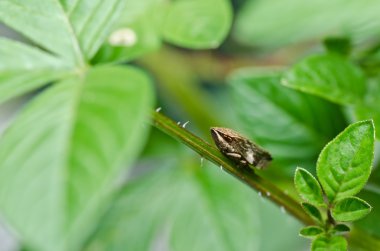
column 198, row 24
column 350, row 209
column 293, row 126
column 278, row 23
column 74, row 30
column 329, row 76
column 308, row 187
column 61, row 156
column 344, row 165
column 173, row 203
column 24, row 68
column 334, row 243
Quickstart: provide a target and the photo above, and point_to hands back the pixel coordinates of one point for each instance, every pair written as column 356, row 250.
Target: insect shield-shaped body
column 239, row 149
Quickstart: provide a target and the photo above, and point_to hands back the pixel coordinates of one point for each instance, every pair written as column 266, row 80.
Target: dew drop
column 260, row 194
column 268, row 194
column 202, row 160
column 179, row 122
column 221, row 167
column 158, row 109
column 283, row 209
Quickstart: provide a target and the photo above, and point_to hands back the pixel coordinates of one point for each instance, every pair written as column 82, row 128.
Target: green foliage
column 308, row 187
column 76, row 154
column 311, row 231
column 343, row 168
column 312, row 211
column 198, row 24
column 329, row 76
column 264, row 108
column 324, row 243
column 345, row 163
column 271, row 24
column 350, row 209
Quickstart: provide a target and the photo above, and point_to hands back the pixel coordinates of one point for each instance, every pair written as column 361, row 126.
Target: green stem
column 248, row 176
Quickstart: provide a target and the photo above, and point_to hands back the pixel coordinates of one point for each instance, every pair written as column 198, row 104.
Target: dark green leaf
column 334, row 243
column 339, row 45
column 76, row 138
column 344, row 165
column 308, row 187
column 264, row 108
column 341, row 228
column 198, row 24
column 311, row 231
column 350, row 209
column 329, row 76
column 313, row 212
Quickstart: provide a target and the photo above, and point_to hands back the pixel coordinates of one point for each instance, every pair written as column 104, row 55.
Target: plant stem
column 246, row 175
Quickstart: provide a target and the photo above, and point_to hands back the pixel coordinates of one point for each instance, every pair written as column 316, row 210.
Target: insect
column 239, row 149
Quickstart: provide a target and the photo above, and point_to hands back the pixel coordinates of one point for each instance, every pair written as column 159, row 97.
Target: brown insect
column 239, row 149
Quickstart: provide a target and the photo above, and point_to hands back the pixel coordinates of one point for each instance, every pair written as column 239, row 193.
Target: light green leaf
column 198, row 24
column 296, row 21
column 24, row 68
column 311, row 231
column 46, row 24
column 312, row 211
column 344, row 165
column 350, row 209
column 76, row 137
column 92, row 21
column 329, row 76
column 264, row 108
column 341, row 228
column 308, row 187
column 178, row 201
column 334, row 243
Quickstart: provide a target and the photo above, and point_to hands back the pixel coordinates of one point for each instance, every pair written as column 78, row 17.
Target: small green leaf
column 198, row 24
column 329, row 76
column 341, row 228
column 312, row 211
column 334, row 243
column 311, row 231
column 350, row 209
column 339, row 45
column 344, row 165
column 308, row 187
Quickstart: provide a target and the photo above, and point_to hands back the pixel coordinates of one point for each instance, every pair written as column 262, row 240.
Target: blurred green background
column 172, row 199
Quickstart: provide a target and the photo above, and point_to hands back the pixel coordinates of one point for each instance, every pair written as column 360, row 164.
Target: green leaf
column 304, row 21
column 344, row 165
column 76, row 138
column 341, row 228
column 339, row 45
column 329, row 76
column 198, row 24
column 334, row 243
column 312, row 211
column 310, row 122
column 178, row 201
column 350, row 209
column 24, row 68
column 74, row 30
column 311, row 231
column 308, row 187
